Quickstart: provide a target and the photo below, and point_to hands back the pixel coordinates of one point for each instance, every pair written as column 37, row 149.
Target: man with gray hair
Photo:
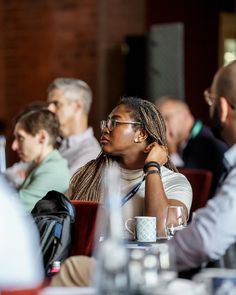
column 70, row 99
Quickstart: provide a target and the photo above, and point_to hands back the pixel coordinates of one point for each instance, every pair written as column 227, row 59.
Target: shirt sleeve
column 52, row 174
column 16, row 173
column 177, row 187
column 212, row 230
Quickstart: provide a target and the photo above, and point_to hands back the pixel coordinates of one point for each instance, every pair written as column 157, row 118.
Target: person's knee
column 75, row 271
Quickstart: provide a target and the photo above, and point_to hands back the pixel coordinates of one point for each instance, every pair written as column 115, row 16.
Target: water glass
column 175, row 220
column 164, row 271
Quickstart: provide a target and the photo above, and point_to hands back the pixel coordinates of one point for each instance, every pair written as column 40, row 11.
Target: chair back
column 84, row 227
column 201, row 181
column 31, row 291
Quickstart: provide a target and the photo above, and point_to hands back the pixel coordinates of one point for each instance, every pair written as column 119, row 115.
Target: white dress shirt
column 80, row 149
column 213, row 229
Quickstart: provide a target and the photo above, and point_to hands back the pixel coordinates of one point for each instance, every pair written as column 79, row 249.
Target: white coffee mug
column 144, row 228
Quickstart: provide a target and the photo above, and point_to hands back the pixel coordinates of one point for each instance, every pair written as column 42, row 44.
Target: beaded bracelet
column 152, row 164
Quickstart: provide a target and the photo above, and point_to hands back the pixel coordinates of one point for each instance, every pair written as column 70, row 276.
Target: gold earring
column 136, row 140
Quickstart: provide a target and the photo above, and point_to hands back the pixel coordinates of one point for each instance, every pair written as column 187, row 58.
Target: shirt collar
column 197, row 127
column 75, row 139
column 230, row 158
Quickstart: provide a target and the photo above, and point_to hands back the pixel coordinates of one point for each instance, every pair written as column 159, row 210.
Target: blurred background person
column 191, row 144
column 17, row 173
column 20, row 267
column 36, row 133
column 70, row 99
column 212, row 233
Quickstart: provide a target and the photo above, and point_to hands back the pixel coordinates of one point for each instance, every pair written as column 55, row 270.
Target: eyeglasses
column 210, row 98
column 112, row 123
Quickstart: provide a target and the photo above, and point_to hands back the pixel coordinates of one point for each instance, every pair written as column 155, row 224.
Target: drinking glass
column 175, row 220
column 165, row 266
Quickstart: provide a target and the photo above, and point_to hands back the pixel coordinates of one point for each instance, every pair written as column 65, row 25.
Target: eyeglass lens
column 110, row 124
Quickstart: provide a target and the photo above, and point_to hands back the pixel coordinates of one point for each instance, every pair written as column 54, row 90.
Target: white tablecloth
column 178, row 286
column 67, row 291
column 182, row 286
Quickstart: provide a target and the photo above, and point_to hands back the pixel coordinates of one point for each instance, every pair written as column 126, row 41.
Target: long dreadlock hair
column 86, row 183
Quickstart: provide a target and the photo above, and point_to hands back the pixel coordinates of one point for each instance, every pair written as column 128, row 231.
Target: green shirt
column 51, row 174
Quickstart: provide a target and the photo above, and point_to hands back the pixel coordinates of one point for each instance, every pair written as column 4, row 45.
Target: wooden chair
column 84, row 227
column 200, row 180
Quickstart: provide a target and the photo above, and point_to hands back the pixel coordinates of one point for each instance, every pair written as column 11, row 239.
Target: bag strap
column 48, row 237
column 130, row 195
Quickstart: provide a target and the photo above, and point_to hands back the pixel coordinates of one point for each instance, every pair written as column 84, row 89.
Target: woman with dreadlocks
column 134, row 136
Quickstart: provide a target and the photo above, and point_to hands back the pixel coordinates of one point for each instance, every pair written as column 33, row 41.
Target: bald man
column 212, row 233
column 191, row 144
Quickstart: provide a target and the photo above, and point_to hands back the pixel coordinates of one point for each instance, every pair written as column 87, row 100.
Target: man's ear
column 79, row 105
column 224, row 109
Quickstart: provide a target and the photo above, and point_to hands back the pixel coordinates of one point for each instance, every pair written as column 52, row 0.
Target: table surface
column 178, row 286
column 145, row 245
column 68, row 291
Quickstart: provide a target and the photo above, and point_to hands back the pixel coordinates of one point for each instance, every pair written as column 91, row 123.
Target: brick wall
column 201, row 42
column 2, row 67
column 117, row 19
column 44, row 39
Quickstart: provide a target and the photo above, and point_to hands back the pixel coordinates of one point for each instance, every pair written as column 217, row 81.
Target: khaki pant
column 75, row 271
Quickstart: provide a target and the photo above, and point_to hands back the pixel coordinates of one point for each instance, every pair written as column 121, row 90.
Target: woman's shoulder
column 54, row 158
column 54, row 162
